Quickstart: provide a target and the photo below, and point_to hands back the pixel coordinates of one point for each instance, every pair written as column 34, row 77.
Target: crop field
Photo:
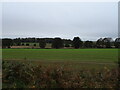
column 68, row 57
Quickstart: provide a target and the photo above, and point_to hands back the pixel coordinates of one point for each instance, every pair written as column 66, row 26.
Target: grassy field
column 98, row 55
column 68, row 57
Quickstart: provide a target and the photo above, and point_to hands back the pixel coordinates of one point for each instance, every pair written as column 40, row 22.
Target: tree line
column 61, row 43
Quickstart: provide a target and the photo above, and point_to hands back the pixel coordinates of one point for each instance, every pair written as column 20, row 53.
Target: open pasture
column 98, row 55
column 68, row 57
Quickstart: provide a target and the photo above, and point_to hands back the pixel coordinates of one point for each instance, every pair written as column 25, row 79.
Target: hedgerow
column 26, row 75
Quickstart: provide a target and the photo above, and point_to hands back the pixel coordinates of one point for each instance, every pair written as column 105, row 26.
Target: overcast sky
column 89, row 21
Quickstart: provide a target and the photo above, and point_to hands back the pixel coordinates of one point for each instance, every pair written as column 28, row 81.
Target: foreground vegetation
column 27, row 75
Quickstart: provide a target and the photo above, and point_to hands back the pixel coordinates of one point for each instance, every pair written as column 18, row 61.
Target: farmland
column 75, row 57
column 108, row 55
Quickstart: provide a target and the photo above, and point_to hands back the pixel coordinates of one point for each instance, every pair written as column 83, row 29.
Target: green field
column 68, row 57
column 98, row 55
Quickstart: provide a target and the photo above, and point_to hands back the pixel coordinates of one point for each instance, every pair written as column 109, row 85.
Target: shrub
column 34, row 44
column 27, row 44
column 67, row 45
column 26, row 75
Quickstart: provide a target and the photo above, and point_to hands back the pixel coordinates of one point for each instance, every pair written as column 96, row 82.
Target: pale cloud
column 66, row 20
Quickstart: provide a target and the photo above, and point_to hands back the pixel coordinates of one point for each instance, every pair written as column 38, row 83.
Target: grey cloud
column 66, row 20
